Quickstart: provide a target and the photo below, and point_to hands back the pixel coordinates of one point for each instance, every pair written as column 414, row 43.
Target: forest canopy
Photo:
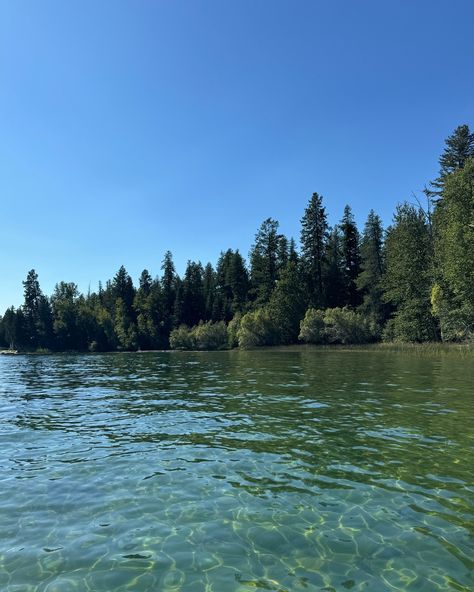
column 411, row 282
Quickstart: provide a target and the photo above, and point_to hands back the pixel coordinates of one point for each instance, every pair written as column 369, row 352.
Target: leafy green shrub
column 312, row 327
column 205, row 336
column 257, row 328
column 181, row 338
column 412, row 323
column 233, row 330
column 343, row 325
column 456, row 323
column 335, row 325
column 209, row 335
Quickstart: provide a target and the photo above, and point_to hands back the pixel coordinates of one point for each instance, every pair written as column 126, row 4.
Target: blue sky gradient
column 133, row 127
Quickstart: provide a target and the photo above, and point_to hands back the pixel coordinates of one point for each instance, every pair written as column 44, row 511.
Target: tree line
column 413, row 282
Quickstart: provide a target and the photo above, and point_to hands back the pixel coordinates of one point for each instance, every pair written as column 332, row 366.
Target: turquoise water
column 237, row 471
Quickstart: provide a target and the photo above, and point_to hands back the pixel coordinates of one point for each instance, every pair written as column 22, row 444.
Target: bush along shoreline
column 412, row 282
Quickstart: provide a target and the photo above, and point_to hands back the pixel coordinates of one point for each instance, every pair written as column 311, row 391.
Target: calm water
column 237, row 471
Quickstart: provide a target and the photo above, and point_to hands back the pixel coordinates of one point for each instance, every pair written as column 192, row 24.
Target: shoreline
column 426, row 348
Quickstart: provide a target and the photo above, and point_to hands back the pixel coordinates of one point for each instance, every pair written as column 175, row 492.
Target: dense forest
column 412, row 282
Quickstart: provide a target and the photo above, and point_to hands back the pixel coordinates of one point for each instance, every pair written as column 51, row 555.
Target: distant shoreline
column 415, row 348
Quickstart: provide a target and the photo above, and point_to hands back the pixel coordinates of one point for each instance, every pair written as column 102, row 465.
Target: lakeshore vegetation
column 411, row 282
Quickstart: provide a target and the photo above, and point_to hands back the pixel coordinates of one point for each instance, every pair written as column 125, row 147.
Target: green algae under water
column 237, row 471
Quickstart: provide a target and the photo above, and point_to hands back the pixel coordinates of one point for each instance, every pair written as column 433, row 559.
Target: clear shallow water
column 237, row 471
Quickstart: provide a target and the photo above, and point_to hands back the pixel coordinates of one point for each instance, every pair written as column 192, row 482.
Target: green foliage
column 421, row 276
column 233, row 330
column 209, row 289
column 408, row 276
column 232, row 286
column 204, row 336
column 346, row 326
column 193, row 304
column 180, row 338
column 453, row 297
column 456, row 322
column 459, row 149
column 287, row 304
column 38, row 321
column 314, row 235
column 335, row 325
column 257, row 328
column 264, row 261
column 210, row 336
column 13, row 328
column 312, row 327
column 148, row 309
column 351, row 256
column 125, row 328
column 168, row 286
column 64, row 302
column 372, row 268
column 334, row 270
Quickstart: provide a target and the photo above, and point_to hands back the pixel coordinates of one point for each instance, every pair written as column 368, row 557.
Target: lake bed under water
column 276, row 470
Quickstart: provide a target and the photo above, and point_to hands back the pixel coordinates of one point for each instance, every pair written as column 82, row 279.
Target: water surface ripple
column 236, row 471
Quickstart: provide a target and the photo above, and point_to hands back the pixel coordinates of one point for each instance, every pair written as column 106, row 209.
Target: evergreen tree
column 407, row 279
column 145, row 282
column 125, row 328
column 209, row 288
column 37, row 314
column 239, row 282
column 453, row 296
column 147, row 307
column 122, row 287
column 178, row 306
column 283, row 252
column 334, row 270
column 351, row 254
column 65, row 316
column 369, row 281
column 222, row 305
column 292, row 253
column 314, row 234
column 264, row 261
column 193, row 306
column 287, row 304
column 459, row 148
column 232, row 285
column 13, row 328
column 168, row 285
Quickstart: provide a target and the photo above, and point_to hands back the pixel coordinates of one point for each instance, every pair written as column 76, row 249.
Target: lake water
column 237, row 471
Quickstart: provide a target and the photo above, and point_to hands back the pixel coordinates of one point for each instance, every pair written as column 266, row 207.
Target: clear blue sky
column 132, row 127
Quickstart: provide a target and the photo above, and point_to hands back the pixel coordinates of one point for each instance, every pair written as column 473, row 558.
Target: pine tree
column 351, row 254
column 209, row 288
column 287, row 304
column 459, row 148
column 64, row 303
column 264, row 261
column 122, row 287
column 372, row 267
column 407, row 279
column 13, row 328
column 239, row 282
column 37, row 314
column 292, row 253
column 314, row 235
column 334, row 270
column 147, row 308
column 453, row 296
column 168, row 285
column 193, row 305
